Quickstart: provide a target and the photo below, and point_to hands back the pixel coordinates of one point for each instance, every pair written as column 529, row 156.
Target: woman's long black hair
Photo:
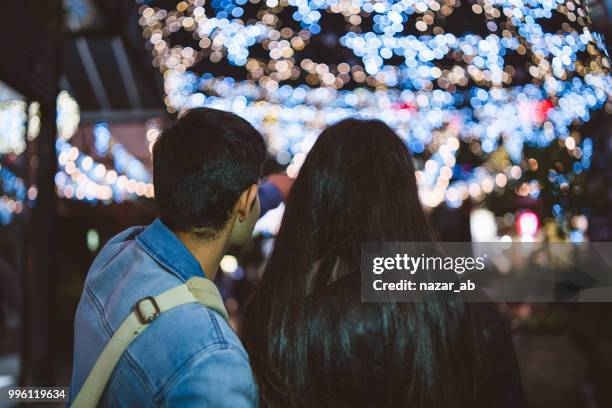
column 313, row 343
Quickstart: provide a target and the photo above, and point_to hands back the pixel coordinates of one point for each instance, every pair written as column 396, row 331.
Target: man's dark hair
column 201, row 165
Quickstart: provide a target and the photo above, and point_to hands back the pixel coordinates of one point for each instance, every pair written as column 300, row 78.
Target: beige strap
column 146, row 310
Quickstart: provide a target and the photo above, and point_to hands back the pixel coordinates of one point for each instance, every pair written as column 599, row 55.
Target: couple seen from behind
column 151, row 329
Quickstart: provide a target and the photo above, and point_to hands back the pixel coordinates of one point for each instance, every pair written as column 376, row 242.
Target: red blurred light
column 527, row 223
column 541, row 110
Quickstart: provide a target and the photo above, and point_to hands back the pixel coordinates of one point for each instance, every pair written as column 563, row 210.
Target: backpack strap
column 195, row 290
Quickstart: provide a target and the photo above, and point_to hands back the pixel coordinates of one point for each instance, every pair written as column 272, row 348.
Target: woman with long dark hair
column 313, row 343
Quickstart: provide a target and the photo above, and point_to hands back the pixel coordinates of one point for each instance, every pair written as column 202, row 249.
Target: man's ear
column 246, row 202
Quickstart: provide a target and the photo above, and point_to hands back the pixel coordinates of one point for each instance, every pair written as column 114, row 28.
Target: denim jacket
column 188, row 357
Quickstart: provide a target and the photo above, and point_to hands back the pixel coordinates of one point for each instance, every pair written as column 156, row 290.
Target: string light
column 440, row 91
column 14, row 194
column 68, row 115
column 12, row 127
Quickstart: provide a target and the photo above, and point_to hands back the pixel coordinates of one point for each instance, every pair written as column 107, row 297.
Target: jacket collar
column 161, row 244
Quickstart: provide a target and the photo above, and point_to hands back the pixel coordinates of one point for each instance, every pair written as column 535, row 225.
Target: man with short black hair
column 206, row 171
